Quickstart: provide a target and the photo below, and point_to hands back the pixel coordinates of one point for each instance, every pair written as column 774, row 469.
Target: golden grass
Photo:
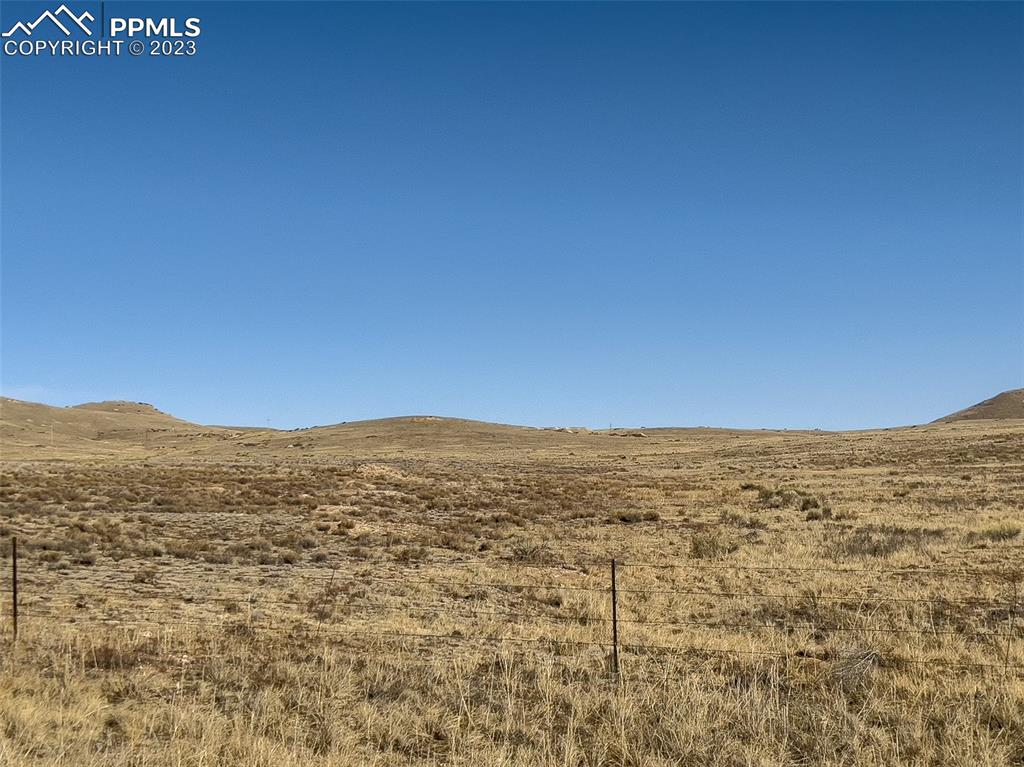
column 208, row 610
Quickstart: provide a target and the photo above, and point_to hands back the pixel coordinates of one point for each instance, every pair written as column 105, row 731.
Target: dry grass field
column 436, row 592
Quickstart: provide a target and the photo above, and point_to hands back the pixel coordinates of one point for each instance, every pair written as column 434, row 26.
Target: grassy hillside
column 1005, row 406
column 425, row 591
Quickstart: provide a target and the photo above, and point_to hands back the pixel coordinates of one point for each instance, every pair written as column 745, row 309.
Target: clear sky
column 793, row 215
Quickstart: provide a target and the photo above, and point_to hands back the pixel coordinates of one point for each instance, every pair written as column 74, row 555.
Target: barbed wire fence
column 611, row 636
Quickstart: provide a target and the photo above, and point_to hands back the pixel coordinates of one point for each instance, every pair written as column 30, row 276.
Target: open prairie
column 428, row 591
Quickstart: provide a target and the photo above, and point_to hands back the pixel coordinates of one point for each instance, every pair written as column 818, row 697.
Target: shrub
column 631, row 517
column 817, row 513
column 531, row 552
column 710, row 545
column 736, row 519
column 1005, row 531
column 411, row 554
column 885, row 540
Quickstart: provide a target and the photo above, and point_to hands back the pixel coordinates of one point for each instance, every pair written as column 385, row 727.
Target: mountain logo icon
column 63, row 18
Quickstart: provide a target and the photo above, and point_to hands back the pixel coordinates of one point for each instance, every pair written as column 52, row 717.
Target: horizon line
column 563, row 427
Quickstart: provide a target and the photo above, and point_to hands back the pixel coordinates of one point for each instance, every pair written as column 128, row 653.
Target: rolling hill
column 96, row 429
column 31, row 430
column 135, row 430
column 1008, row 405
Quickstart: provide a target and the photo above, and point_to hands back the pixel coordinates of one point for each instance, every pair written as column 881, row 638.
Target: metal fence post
column 615, row 627
column 1009, row 632
column 14, row 585
column 328, row 593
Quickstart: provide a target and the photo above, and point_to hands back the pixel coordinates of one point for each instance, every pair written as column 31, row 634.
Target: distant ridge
column 122, row 406
column 1005, row 406
column 120, row 429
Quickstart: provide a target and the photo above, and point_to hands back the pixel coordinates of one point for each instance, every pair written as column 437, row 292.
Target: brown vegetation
column 846, row 599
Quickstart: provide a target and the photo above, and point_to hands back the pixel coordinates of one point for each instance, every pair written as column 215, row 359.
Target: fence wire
column 332, row 614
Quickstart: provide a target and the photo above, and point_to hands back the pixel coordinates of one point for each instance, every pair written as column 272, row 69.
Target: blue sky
column 792, row 215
